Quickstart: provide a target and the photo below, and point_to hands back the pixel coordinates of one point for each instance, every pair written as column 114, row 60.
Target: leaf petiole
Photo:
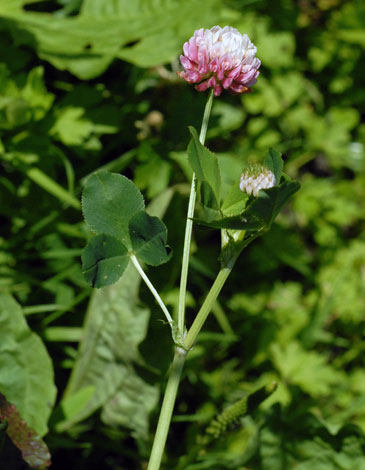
column 152, row 289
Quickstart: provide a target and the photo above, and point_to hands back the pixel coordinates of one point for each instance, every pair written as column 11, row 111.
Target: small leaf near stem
column 152, row 289
column 189, row 223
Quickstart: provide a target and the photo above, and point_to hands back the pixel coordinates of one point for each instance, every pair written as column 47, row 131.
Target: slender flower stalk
column 189, row 224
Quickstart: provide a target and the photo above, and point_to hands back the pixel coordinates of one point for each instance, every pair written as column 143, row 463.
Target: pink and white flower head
column 220, row 58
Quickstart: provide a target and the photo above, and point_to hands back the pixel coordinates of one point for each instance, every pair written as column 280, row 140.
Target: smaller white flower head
column 256, row 177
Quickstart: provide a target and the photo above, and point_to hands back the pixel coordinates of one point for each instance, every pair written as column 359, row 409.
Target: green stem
column 189, row 224
column 166, row 410
column 219, row 282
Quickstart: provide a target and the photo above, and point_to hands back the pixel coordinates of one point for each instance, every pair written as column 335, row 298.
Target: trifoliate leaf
column 104, row 260
column 109, row 201
column 148, row 237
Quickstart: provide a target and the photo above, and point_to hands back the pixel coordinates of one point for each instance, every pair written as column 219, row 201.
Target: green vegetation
column 276, row 379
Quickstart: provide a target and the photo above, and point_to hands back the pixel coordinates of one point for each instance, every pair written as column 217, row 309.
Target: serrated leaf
column 104, row 260
column 274, row 163
column 109, row 201
column 148, row 237
column 26, row 378
column 204, row 163
column 238, row 222
column 210, row 205
column 278, row 197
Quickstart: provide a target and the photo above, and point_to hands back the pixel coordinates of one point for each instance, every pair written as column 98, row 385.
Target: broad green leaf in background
column 131, row 405
column 26, row 378
column 148, row 238
column 109, row 201
column 115, row 325
column 104, row 260
column 87, row 43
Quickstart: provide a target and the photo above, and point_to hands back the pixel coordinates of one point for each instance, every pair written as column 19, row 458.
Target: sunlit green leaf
column 109, row 201
column 87, row 43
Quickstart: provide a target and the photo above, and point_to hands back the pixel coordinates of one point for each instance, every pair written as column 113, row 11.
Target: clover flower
column 255, row 178
column 220, row 58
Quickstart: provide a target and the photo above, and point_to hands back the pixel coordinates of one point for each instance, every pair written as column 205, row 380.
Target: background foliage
column 85, row 85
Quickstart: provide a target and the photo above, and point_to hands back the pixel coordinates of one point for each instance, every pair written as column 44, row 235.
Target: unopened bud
column 256, row 177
